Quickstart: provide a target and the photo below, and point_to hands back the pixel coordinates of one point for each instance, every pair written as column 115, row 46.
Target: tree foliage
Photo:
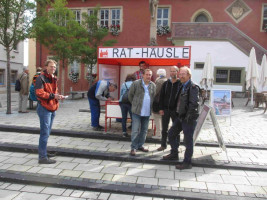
column 15, row 25
column 58, row 30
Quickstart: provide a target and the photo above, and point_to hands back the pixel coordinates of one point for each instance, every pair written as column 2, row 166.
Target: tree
column 95, row 35
column 60, row 33
column 15, row 26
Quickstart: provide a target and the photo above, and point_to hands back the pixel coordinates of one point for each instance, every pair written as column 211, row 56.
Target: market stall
column 115, row 63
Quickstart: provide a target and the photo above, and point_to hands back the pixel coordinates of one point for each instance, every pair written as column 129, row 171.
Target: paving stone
column 212, row 178
column 67, row 165
column 53, row 190
column 67, row 192
column 34, row 169
column 64, row 198
column 80, row 160
column 16, row 161
column 235, row 179
column 77, row 193
column 109, row 163
column 90, row 195
column 31, row 196
column 92, row 175
column 104, row 196
column 32, row 188
column 168, row 182
column 20, row 168
column 259, row 181
column 141, row 172
column 123, row 178
column 114, row 170
column 120, row 197
column 193, row 184
column 107, row 177
column 221, row 186
column 185, row 176
column 164, row 174
column 216, row 171
column 142, row 198
column 156, row 166
column 8, row 194
column 50, row 171
column 70, row 173
column 250, row 189
column 146, row 180
column 15, row 186
column 89, row 167
column 237, row 172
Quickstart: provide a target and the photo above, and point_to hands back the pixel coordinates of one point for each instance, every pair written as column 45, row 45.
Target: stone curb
column 117, row 187
column 205, row 163
column 111, row 136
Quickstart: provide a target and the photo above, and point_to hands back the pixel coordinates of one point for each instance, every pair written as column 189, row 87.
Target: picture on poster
column 221, row 102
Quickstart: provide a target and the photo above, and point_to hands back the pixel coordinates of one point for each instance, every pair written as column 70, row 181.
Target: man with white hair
column 157, row 117
column 187, row 113
column 24, row 91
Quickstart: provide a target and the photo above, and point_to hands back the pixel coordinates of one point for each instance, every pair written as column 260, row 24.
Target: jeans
column 95, row 111
column 165, row 125
column 125, row 108
column 188, row 129
column 139, row 123
column 46, row 121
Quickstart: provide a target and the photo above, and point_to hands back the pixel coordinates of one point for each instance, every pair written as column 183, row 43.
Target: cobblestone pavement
column 244, row 127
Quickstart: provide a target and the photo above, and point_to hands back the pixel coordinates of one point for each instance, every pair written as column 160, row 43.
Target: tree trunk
column 91, row 75
column 8, row 87
column 63, row 77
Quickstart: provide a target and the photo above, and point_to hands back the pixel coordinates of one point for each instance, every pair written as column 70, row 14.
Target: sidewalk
column 246, row 127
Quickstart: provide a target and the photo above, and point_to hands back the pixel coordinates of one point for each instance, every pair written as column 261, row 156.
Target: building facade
column 16, row 66
column 226, row 29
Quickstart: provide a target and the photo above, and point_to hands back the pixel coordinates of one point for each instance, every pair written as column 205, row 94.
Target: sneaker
column 184, row 166
column 171, row 157
column 46, row 161
column 142, row 149
column 100, row 126
column 124, row 134
column 133, row 152
column 161, row 148
column 129, row 127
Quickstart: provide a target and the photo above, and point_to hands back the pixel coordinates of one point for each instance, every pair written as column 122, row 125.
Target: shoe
column 98, row 129
column 20, row 111
column 124, row 134
column 50, row 155
column 184, row 166
column 142, row 149
column 129, row 127
column 100, row 126
column 161, row 148
column 24, row 112
column 132, row 153
column 46, row 161
column 171, row 157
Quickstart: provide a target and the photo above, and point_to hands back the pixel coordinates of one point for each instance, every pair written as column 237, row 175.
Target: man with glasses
column 187, row 114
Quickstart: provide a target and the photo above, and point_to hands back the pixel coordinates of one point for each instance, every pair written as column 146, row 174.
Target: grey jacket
column 136, row 95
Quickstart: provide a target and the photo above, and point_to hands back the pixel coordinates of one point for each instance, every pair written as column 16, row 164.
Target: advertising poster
column 221, row 102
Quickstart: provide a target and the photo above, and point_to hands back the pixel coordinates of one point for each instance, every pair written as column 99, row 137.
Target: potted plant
column 74, row 77
column 163, row 30
column 115, row 29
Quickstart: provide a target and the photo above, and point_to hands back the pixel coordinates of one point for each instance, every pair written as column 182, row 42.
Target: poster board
column 221, row 102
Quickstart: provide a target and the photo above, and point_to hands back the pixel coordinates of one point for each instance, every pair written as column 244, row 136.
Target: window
column 264, row 17
column 15, row 48
column 2, row 76
column 229, row 76
column 201, row 18
column 199, row 65
column 14, row 74
column 110, row 17
column 90, row 12
column 163, row 17
column 77, row 14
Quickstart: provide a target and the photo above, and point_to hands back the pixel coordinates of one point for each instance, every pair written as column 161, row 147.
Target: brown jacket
column 24, row 83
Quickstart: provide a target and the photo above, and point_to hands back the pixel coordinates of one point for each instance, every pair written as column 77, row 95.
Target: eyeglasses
column 183, row 74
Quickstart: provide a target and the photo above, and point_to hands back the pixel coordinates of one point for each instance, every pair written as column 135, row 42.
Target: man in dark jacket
column 187, row 114
column 167, row 104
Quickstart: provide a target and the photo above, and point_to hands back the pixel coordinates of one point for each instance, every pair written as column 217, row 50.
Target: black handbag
column 125, row 96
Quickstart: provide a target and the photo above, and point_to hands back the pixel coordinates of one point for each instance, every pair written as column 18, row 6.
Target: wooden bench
column 73, row 93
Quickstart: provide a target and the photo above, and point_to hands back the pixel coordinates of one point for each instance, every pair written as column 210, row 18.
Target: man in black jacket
column 187, row 114
column 167, row 104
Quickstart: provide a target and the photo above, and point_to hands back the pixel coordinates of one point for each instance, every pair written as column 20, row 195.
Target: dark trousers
column 188, row 128
column 95, row 111
column 168, row 114
column 125, row 108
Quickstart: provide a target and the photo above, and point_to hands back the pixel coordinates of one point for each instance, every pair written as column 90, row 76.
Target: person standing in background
column 24, row 91
column 157, row 117
column 126, row 106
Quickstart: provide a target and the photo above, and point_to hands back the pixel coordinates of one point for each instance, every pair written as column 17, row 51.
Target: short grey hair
column 114, row 85
column 25, row 68
column 161, row 72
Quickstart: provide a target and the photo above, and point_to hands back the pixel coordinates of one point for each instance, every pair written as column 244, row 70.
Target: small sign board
column 221, row 102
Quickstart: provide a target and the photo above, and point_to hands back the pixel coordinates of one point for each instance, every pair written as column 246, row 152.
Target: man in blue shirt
column 141, row 96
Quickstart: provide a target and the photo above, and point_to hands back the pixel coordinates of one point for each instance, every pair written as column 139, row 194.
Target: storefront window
column 229, row 76
column 2, row 76
column 14, row 74
column 264, row 18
